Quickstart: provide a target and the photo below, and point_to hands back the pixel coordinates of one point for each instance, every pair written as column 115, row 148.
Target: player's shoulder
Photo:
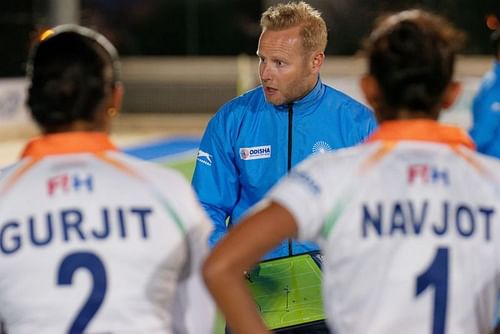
column 8, row 168
column 491, row 164
column 6, row 171
column 169, row 186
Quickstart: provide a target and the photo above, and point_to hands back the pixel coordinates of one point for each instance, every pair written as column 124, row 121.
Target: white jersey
column 409, row 224
column 94, row 241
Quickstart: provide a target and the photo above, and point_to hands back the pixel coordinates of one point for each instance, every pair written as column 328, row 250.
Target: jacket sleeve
column 358, row 122
column 215, row 177
column 486, row 119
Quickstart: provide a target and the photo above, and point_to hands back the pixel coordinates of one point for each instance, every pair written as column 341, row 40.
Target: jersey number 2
column 436, row 275
column 94, row 265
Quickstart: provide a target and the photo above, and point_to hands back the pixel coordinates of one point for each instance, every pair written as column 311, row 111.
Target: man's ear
column 317, row 60
column 451, row 94
column 371, row 91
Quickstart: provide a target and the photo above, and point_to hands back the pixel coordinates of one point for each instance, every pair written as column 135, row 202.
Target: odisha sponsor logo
column 256, row 152
column 265, row 150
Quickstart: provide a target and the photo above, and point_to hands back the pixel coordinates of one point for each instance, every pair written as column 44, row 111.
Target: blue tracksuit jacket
column 246, row 148
column 486, row 114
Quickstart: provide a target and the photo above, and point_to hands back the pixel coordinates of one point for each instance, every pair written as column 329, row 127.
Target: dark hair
column 72, row 69
column 412, row 56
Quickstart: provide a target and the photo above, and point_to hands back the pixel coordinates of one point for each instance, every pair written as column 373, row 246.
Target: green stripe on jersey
column 335, row 213
column 172, row 213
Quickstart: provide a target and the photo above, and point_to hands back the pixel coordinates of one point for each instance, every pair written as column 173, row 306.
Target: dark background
column 219, row 27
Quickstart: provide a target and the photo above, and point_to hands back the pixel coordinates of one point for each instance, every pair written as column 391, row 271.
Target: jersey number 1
column 436, row 275
column 94, row 265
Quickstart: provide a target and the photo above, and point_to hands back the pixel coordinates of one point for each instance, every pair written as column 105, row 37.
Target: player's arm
column 244, row 246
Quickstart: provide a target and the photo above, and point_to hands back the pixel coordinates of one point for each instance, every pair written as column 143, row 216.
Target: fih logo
column 256, row 152
column 425, row 174
column 66, row 183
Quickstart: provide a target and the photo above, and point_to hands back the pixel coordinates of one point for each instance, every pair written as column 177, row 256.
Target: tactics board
column 288, row 291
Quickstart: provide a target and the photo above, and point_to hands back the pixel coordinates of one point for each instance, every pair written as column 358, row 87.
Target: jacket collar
column 421, row 130
column 304, row 104
column 67, row 143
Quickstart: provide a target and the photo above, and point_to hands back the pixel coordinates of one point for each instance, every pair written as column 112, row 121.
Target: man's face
column 285, row 69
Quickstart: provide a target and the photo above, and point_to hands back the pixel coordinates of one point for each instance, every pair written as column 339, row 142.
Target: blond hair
column 293, row 14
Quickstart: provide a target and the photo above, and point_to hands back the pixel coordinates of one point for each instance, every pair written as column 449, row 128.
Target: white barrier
column 13, row 111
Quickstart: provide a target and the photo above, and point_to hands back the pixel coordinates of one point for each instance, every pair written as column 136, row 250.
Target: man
column 486, row 107
column 407, row 221
column 259, row 136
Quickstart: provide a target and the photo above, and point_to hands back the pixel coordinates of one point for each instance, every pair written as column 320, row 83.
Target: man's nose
column 265, row 72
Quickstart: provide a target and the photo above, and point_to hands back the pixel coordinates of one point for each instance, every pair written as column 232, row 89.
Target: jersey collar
column 421, row 130
column 67, row 143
